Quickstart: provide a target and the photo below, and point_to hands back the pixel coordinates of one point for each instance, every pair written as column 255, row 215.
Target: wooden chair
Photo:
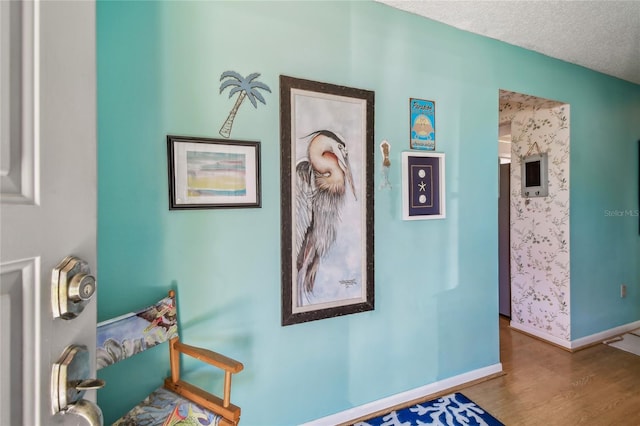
column 178, row 400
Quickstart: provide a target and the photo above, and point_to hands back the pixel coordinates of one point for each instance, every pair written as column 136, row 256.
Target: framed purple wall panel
column 423, row 185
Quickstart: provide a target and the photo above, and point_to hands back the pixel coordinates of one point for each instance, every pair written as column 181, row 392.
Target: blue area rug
column 451, row 410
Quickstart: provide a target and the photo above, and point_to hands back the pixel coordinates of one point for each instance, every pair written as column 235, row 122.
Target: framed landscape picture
column 212, row 173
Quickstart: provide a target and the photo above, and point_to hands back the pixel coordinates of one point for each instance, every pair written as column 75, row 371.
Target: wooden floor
column 546, row 385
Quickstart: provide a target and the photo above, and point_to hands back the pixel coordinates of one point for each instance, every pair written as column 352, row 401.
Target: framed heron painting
column 213, row 173
column 326, row 148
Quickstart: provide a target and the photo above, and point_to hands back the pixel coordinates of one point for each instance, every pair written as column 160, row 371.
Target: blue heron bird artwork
column 327, row 155
column 323, row 182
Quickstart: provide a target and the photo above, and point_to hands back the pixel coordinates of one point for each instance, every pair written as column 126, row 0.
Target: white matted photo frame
column 423, row 185
column 326, row 145
column 207, row 173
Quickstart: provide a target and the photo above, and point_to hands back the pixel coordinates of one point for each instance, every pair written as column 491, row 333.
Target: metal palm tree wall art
column 327, row 200
column 246, row 88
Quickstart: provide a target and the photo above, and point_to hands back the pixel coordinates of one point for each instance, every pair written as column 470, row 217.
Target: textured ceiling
column 602, row 35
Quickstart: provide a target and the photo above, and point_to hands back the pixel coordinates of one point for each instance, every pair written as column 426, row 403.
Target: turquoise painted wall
column 159, row 65
column 605, row 243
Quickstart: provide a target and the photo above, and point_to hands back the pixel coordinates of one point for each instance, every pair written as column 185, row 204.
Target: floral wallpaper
column 540, row 273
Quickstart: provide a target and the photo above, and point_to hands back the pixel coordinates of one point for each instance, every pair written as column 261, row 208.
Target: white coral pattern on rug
column 454, row 411
column 449, row 410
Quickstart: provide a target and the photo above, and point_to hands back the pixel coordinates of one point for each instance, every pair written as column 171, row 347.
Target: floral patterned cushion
column 165, row 408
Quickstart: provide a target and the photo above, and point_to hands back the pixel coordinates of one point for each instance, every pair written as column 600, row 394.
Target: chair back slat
column 129, row 334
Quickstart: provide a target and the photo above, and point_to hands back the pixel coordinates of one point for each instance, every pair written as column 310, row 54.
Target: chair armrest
column 230, row 366
column 206, row 400
column 210, row 357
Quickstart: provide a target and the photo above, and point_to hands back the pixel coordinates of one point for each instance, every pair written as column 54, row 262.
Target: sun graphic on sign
column 422, row 125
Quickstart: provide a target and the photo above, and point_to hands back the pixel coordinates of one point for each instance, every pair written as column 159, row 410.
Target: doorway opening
column 504, row 215
column 534, row 253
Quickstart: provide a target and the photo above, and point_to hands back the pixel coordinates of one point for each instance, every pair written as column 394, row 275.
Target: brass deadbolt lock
column 72, row 286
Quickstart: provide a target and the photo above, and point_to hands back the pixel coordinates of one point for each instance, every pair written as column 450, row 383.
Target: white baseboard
column 604, row 335
column 410, row 395
column 577, row 343
column 541, row 335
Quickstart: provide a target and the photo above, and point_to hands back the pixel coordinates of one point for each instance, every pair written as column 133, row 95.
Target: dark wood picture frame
column 206, row 173
column 327, row 213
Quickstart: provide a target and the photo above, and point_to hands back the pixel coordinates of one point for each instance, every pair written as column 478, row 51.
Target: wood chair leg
column 174, row 359
column 227, row 389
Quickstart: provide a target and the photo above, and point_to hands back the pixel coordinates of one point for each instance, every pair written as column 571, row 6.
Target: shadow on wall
column 130, row 211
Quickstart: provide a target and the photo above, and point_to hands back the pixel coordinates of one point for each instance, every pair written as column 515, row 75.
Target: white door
column 48, row 194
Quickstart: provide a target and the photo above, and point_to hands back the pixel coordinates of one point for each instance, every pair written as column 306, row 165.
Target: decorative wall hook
column 385, row 147
column 531, row 148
